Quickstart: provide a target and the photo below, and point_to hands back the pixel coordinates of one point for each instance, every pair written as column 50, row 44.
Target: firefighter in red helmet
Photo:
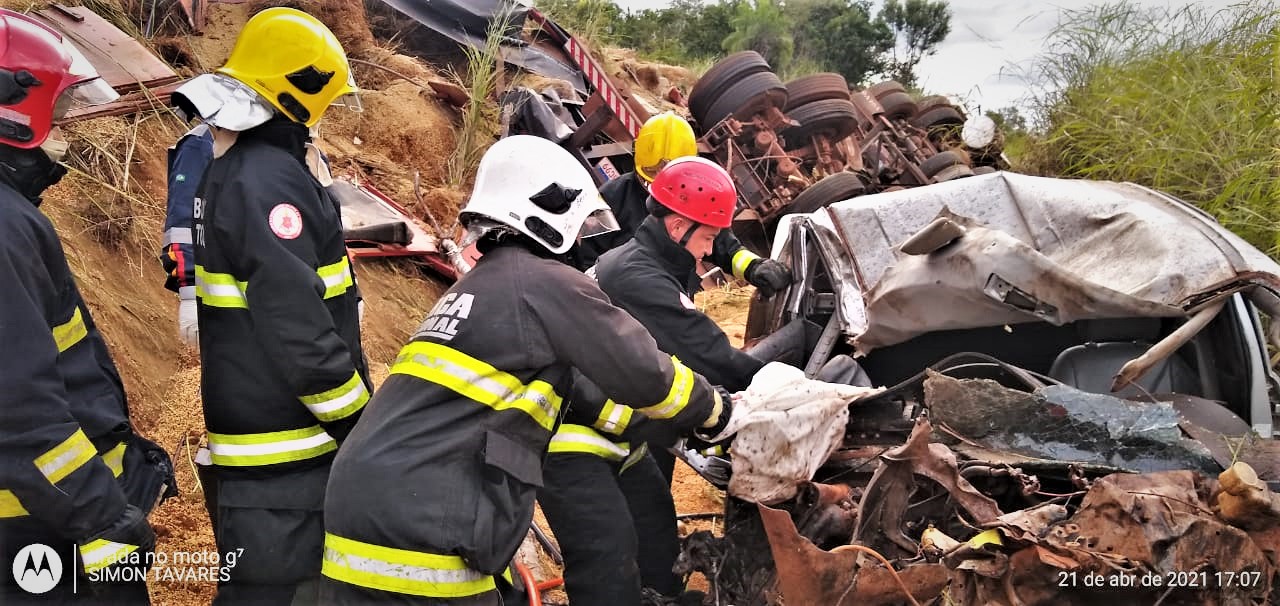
column 76, row 482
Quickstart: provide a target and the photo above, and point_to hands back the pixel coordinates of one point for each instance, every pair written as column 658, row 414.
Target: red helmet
column 56, row 75
column 696, row 189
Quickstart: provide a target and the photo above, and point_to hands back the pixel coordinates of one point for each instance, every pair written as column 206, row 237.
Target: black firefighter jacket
column 653, row 279
column 64, row 421
column 626, row 196
column 448, row 455
column 283, row 374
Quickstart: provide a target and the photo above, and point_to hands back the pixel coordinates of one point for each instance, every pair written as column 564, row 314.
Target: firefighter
column 664, row 138
column 691, row 202
column 434, row 490
column 283, row 376
column 609, row 504
column 76, row 481
column 187, row 161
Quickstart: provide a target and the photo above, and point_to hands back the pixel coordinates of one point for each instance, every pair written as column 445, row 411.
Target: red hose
column 534, row 588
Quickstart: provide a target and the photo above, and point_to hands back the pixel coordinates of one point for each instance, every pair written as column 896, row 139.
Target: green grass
column 479, row 125
column 1182, row 101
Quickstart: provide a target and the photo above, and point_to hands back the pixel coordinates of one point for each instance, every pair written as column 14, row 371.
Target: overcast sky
column 991, row 44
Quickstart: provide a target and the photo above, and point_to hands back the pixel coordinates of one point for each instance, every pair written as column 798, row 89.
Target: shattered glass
column 1065, row 424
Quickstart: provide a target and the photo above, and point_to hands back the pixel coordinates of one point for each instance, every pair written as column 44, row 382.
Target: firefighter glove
column 127, row 543
column 188, row 324
column 714, row 426
column 768, row 276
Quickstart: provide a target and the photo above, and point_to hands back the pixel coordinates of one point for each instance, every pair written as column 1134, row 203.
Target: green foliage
column 1008, row 119
column 1184, row 102
column 479, row 127
column 840, row 36
column 597, row 21
column 918, row 27
column 762, row 26
column 796, row 36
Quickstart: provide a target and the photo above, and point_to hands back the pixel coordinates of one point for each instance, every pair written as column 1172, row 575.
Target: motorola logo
column 37, row 568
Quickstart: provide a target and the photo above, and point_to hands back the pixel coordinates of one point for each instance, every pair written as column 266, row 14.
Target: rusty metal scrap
column 1123, row 538
column 808, row 575
column 886, row 497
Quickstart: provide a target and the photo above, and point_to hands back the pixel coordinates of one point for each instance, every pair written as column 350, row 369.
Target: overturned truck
column 1080, row 405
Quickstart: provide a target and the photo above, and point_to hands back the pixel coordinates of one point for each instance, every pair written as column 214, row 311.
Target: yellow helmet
column 294, row 62
column 663, row 138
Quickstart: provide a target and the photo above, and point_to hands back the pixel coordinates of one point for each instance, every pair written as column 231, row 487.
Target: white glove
column 360, row 311
column 188, row 324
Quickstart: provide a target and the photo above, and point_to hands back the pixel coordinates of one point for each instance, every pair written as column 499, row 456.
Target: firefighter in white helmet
column 434, row 489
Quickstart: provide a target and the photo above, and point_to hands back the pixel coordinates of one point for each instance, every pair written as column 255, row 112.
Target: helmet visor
column 350, row 101
column 599, row 222
column 91, row 90
column 85, row 94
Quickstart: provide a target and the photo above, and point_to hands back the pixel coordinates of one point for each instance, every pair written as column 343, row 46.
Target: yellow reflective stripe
column 63, row 459
column 740, row 261
column 400, row 570
column 614, row 418
column 114, row 459
column 339, row 402
column 337, row 278
column 70, row 333
column 245, row 450
column 100, row 553
column 10, row 507
column 583, row 439
column 478, row 381
column 220, row 290
column 677, row 398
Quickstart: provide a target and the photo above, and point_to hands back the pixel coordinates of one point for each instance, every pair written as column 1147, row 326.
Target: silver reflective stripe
column 222, row 449
column 404, row 571
column 564, row 441
column 339, row 278
column 615, row 415
column 177, row 235
column 101, row 553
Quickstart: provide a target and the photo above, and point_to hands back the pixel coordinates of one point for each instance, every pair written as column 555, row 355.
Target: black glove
column 704, row 434
column 127, row 543
column 768, row 276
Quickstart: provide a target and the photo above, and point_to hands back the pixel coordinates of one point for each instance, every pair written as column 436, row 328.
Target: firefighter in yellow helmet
column 664, row 138
column 283, row 374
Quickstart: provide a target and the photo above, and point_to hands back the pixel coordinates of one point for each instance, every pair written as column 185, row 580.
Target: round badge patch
column 286, row 221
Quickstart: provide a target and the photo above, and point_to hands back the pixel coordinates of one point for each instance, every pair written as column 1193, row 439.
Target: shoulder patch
column 285, row 221
column 687, row 302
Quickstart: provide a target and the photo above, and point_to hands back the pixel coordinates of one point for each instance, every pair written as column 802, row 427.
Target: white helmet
column 534, row 186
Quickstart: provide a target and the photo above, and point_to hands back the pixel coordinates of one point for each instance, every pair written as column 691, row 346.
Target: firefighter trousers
column 270, row 536
column 617, row 531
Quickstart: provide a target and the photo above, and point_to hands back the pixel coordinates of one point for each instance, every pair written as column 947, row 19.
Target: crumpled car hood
column 1035, row 248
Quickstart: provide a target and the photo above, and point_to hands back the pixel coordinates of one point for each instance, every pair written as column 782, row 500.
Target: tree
column 762, row 26
column 918, row 27
column 841, row 36
column 595, row 20
column 1008, row 119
